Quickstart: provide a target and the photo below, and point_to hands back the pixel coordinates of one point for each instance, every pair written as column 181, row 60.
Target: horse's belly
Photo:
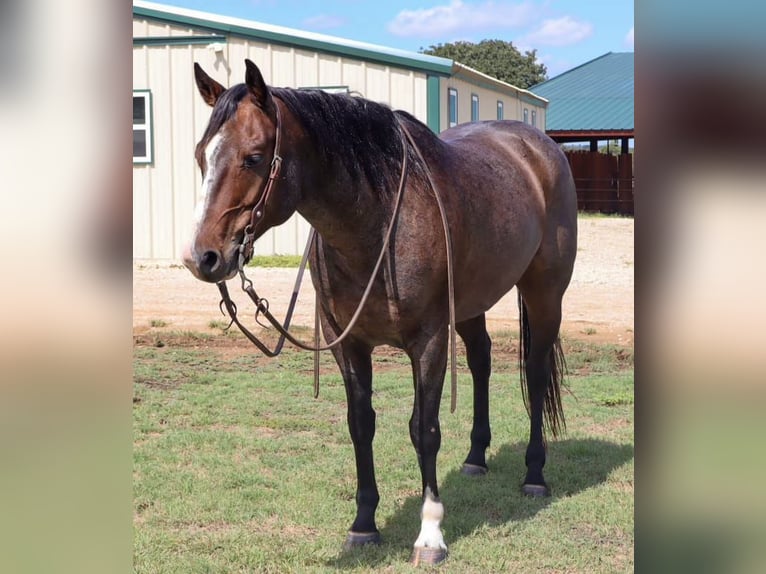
column 478, row 297
column 492, row 268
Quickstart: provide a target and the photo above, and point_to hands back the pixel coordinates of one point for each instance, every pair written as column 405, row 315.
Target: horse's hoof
column 425, row 555
column 356, row 539
column 473, row 469
column 536, row 490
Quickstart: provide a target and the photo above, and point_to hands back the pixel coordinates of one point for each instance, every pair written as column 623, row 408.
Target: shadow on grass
column 573, row 465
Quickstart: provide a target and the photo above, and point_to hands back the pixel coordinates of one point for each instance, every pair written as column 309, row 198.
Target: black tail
column 553, row 411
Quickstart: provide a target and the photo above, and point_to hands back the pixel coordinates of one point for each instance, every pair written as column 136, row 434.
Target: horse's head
column 236, row 156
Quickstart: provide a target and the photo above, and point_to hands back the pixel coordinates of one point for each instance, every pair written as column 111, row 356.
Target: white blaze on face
column 211, row 156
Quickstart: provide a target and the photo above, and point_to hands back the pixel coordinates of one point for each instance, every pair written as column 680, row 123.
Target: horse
column 506, row 195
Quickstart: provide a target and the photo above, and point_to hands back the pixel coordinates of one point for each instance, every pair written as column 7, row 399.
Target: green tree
column 496, row 58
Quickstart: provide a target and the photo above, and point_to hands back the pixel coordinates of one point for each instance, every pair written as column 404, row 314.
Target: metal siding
column 353, row 76
column 420, row 98
column 282, row 66
column 167, row 191
column 184, row 138
column 401, row 89
column 140, row 28
column 145, row 28
column 330, row 70
column 142, row 225
column 377, row 82
column 306, row 69
column 161, row 187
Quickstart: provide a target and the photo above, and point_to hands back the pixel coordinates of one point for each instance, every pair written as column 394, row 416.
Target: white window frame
column 500, row 110
column 526, row 115
column 452, row 107
column 534, row 118
column 146, row 126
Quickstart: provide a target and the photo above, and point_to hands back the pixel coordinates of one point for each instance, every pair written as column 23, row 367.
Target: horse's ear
column 208, row 88
column 256, row 84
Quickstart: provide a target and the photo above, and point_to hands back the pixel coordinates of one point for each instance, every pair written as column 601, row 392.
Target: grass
column 275, row 261
column 238, row 469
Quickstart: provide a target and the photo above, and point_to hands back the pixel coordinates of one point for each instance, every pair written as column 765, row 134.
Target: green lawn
column 237, row 468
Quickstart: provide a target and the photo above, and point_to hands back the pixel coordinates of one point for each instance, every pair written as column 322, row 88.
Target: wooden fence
column 604, row 182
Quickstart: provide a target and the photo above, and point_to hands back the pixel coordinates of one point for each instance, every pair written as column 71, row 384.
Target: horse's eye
column 251, row 161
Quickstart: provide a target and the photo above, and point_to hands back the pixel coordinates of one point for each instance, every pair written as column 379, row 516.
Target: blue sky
column 565, row 33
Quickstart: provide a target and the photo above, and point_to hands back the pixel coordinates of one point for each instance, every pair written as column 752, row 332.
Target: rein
column 262, row 304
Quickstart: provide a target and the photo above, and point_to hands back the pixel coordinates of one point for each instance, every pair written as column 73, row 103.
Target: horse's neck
column 347, row 214
column 350, row 216
column 349, row 224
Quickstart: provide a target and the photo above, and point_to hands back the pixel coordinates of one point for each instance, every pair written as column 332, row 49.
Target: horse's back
column 517, row 208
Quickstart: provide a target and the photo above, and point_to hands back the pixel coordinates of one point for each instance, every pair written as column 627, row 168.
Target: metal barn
column 169, row 116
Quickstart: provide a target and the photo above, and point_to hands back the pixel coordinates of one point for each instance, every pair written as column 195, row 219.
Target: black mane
column 358, row 135
column 351, row 133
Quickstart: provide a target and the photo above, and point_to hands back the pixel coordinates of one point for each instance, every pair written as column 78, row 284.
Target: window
column 474, row 108
column 526, row 116
column 142, row 127
column 534, row 118
column 452, row 106
column 499, row 110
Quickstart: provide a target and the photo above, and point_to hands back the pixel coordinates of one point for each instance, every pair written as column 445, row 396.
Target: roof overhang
column 566, row 136
column 478, row 78
column 215, row 23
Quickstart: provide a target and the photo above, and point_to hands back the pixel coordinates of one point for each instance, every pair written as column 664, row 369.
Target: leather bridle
column 262, row 305
column 259, row 209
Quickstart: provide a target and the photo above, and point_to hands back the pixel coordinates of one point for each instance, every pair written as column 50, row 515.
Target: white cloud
column 629, row 38
column 460, row 17
column 323, row 22
column 559, row 32
column 555, row 65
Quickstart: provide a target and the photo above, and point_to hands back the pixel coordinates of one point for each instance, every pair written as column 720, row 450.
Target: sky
column 565, row 33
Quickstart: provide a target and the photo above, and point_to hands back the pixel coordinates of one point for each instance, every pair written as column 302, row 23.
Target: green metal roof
column 597, row 95
column 288, row 36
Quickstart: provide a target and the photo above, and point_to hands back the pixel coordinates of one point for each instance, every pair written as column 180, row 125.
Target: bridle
column 259, row 209
column 262, row 304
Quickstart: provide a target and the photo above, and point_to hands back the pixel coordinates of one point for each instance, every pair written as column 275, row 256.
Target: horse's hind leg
column 478, row 350
column 540, row 315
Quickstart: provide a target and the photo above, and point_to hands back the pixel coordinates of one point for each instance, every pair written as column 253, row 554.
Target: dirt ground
column 598, row 305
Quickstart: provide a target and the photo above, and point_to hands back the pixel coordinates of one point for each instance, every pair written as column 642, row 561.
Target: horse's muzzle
column 210, row 265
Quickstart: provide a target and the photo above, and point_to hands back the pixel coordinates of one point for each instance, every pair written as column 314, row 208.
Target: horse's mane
column 349, row 132
column 224, row 109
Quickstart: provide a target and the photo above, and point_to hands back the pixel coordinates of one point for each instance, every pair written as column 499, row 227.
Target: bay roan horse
column 510, row 203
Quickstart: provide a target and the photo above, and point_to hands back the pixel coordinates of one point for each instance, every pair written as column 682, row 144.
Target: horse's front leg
column 354, row 360
column 429, row 363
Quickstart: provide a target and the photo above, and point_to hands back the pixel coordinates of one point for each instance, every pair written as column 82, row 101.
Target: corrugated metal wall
column 166, row 191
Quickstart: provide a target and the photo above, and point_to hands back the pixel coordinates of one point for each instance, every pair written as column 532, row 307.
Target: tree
column 496, row 58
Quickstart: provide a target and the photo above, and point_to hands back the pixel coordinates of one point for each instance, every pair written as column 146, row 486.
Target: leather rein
column 262, row 304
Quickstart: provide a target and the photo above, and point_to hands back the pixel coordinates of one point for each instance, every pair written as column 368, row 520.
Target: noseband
column 262, row 305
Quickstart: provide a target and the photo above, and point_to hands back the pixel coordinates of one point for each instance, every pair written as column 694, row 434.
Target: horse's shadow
column 495, row 499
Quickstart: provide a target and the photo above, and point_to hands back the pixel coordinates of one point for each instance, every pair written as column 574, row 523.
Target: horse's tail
column 553, row 411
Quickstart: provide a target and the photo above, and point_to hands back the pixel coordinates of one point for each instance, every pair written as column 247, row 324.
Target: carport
column 593, row 103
